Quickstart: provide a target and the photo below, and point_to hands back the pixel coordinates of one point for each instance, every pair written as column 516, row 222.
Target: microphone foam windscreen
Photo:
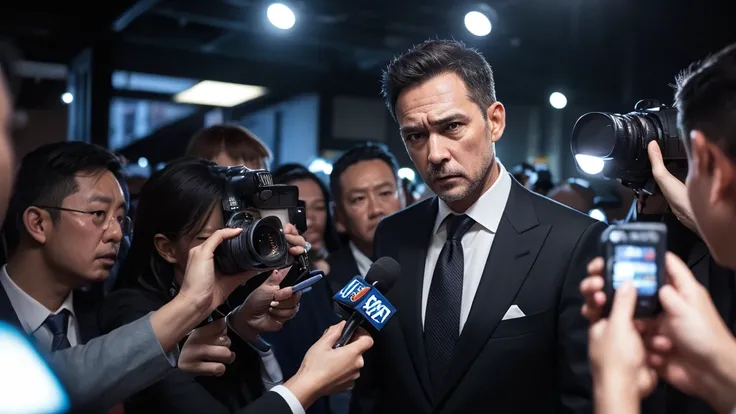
column 385, row 271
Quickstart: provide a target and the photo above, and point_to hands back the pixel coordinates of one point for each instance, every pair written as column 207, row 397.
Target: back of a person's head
column 366, row 152
column 176, row 202
column 47, row 176
column 233, row 140
column 706, row 100
column 437, row 57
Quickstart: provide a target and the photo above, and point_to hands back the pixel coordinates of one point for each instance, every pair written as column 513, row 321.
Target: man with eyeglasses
column 63, row 231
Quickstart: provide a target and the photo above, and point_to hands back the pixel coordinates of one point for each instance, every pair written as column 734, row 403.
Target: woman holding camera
column 179, row 207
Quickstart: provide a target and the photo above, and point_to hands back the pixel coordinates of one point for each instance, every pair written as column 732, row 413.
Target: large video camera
column 615, row 145
column 254, row 203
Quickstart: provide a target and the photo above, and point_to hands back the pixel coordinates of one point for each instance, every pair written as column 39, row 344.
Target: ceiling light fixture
column 213, row 93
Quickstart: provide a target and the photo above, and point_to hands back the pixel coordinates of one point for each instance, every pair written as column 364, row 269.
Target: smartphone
column 634, row 252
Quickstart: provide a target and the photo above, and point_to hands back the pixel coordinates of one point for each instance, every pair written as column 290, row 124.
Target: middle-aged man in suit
column 63, row 232
column 365, row 185
column 488, row 309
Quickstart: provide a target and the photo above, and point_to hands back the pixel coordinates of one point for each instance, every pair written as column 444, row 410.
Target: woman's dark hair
column 293, row 172
column 176, row 202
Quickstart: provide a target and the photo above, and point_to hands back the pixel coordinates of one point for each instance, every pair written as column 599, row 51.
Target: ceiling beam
column 183, row 64
column 137, row 9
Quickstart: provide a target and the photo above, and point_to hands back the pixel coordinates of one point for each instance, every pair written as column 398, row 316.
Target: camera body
column 261, row 208
column 635, row 252
column 621, row 140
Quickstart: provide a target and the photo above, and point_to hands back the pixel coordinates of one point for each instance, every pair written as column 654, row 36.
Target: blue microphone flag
column 366, row 300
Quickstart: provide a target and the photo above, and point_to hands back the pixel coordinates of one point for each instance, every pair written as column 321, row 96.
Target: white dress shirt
column 32, row 314
column 477, row 241
column 364, row 262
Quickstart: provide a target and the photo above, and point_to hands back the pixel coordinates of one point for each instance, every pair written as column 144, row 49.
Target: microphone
column 363, row 298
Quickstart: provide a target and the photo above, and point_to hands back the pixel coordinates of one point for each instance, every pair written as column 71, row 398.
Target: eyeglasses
column 99, row 218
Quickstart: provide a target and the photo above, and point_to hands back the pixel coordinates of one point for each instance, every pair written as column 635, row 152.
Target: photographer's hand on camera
column 207, row 350
column 671, row 187
column 619, row 358
column 202, row 291
column 693, row 349
column 326, row 371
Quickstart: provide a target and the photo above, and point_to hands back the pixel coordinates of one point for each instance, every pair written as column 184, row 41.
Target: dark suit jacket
column 85, row 311
column 238, row 390
column 342, row 268
column 535, row 364
column 721, row 285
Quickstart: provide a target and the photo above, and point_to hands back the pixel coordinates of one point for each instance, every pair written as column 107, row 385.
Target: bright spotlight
column 598, row 214
column 477, row 23
column 590, row 164
column 67, row 98
column 281, row 16
column 143, row 162
column 320, row 165
column 407, row 173
column 558, row 100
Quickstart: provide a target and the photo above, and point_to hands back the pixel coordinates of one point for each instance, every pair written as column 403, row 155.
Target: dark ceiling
column 593, row 50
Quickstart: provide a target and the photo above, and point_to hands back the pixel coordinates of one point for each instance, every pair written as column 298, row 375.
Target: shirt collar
column 488, row 209
column 361, row 260
column 31, row 313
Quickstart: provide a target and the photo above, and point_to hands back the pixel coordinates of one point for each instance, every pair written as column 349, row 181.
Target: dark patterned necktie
column 58, row 325
column 442, row 317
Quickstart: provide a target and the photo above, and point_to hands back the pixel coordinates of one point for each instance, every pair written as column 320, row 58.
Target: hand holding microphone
column 326, row 371
column 364, row 299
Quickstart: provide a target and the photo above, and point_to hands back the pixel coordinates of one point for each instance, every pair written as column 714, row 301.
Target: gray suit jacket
column 112, row 367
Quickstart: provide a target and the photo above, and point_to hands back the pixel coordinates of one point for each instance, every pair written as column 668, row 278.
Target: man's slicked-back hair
column 365, row 152
column 706, row 100
column 47, row 176
column 437, row 57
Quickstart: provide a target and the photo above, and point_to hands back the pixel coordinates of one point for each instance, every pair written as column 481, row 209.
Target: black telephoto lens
column 622, row 139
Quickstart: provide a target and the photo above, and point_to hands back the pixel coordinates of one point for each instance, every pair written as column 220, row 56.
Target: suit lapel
column 515, row 248
column 412, row 259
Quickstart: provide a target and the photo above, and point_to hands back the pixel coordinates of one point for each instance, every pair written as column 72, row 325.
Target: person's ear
column 722, row 175
column 700, row 153
column 38, row 223
column 165, row 248
column 496, row 115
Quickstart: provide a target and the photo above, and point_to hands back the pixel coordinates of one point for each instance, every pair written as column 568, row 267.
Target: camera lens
column 594, row 134
column 267, row 242
column 615, row 145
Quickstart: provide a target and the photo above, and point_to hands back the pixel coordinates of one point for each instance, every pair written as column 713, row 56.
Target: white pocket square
column 514, row 312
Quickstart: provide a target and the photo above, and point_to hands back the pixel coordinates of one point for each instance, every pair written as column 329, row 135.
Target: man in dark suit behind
column 365, row 186
column 63, row 229
column 488, row 309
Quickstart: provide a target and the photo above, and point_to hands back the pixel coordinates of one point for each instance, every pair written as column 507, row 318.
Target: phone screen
column 637, row 264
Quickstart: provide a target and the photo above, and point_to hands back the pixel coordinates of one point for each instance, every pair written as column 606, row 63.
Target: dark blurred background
column 111, row 72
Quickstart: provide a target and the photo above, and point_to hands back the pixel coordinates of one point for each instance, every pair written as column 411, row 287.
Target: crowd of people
column 499, row 301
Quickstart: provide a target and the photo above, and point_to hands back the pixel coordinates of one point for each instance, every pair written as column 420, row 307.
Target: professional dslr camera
column 254, row 203
column 615, row 145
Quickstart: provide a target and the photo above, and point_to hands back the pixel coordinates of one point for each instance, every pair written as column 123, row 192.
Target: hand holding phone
column 634, row 252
